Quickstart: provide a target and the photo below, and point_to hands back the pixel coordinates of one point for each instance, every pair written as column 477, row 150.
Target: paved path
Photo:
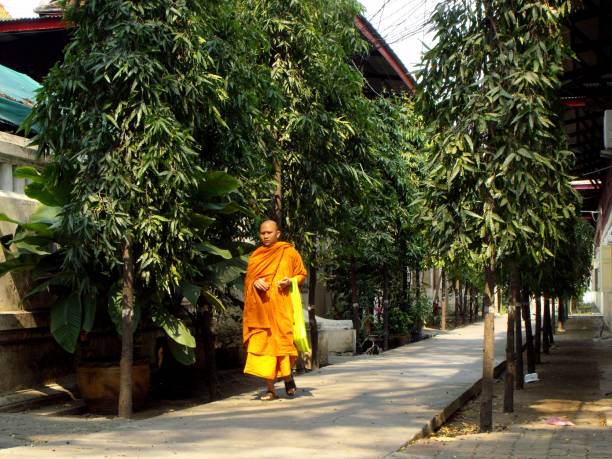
column 575, row 384
column 365, row 408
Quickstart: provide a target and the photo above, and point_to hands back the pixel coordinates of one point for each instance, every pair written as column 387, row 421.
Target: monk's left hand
column 284, row 283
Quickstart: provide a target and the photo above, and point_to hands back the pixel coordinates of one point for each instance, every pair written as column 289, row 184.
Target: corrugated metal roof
column 17, row 95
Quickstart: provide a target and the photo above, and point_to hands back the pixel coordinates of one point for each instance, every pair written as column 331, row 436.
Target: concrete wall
column 28, row 353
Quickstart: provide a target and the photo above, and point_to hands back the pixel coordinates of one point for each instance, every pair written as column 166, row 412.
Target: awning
column 17, row 95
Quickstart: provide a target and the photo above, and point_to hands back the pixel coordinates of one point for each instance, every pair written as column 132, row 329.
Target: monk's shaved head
column 269, row 222
column 269, row 233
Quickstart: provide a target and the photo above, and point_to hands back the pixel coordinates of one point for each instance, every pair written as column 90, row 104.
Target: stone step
column 67, row 408
column 34, row 398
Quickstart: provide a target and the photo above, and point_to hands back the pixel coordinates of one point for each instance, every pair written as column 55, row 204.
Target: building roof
column 382, row 68
column 17, row 96
column 33, row 45
column 586, row 93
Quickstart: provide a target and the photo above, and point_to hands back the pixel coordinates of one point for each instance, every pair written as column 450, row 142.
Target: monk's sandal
column 290, row 388
column 269, row 395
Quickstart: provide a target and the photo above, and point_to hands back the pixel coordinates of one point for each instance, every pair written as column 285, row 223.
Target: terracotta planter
column 98, row 384
column 398, row 340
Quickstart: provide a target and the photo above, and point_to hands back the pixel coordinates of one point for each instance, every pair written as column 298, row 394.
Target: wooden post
column 538, row 330
column 127, row 337
column 486, row 403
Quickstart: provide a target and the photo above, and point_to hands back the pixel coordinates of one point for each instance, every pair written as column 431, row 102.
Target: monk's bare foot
column 269, row 395
column 290, row 388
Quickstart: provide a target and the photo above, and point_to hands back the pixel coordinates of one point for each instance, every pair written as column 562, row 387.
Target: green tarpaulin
column 17, row 95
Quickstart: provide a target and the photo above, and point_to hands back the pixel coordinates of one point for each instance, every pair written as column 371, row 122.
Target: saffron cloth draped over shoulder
column 268, row 316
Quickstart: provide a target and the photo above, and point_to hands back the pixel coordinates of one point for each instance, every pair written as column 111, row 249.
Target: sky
column 400, row 22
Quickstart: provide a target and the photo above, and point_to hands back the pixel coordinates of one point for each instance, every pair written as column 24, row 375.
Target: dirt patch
column 570, row 387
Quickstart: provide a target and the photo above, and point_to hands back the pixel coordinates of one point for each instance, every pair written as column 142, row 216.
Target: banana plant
column 37, row 248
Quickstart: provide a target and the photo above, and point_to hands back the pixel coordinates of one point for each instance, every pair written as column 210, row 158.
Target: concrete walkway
column 365, row 408
column 575, row 384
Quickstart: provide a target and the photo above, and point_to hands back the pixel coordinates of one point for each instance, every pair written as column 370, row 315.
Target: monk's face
column 268, row 233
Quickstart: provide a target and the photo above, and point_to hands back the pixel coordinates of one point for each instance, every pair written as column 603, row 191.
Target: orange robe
column 267, row 324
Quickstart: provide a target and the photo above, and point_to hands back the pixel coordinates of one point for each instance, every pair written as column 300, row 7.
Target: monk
column 267, row 326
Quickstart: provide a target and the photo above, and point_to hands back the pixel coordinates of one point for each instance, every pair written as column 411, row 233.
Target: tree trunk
column 483, row 308
column 496, row 299
column 278, row 192
column 385, row 309
column 520, row 367
column 466, row 306
column 127, row 336
column 528, row 335
column 444, row 302
column 553, row 319
column 486, row 403
column 538, row 331
column 210, row 360
column 546, row 326
column 312, row 319
column 470, row 303
column 355, row 298
column 510, row 375
column 561, row 317
column 405, row 293
column 457, row 305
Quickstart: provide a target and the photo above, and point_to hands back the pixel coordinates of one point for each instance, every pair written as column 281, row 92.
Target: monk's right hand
column 261, row 285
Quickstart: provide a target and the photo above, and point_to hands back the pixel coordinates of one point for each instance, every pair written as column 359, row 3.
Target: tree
column 117, row 120
column 295, row 104
column 498, row 182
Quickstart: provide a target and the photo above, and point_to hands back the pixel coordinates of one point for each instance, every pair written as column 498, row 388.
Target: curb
column 439, row 419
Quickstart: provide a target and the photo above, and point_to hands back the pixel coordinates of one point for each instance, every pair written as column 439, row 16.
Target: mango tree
column 117, row 120
column 498, row 184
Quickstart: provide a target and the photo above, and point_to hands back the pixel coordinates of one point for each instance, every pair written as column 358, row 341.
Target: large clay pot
column 98, row 384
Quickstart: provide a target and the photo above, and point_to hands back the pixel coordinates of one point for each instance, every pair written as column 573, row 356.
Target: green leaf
column 201, row 222
column 66, row 321
column 183, row 354
column 214, row 250
column 6, row 218
column 218, row 183
column 41, row 193
column 46, row 214
column 89, row 311
column 214, row 301
column 191, row 292
column 174, row 327
column 20, row 263
column 22, row 245
column 115, row 309
column 29, row 173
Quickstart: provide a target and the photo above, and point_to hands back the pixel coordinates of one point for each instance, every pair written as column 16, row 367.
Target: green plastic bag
column 300, row 338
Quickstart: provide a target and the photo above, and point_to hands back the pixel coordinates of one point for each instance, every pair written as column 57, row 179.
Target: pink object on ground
column 557, row 421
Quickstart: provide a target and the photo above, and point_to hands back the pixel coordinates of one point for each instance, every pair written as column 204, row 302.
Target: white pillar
column 6, row 177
